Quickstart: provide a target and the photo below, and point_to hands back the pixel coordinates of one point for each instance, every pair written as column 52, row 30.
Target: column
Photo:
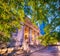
column 33, row 36
column 20, row 36
column 26, row 32
column 36, row 38
column 30, row 35
column 26, row 38
column 17, row 39
column 37, row 41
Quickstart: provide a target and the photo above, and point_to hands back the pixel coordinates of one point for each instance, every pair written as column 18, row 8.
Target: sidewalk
column 44, row 51
column 36, row 48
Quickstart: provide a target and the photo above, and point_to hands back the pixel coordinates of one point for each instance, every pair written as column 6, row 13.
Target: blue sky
column 42, row 28
column 28, row 11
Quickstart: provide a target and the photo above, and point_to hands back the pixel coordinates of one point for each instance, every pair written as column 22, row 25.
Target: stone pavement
column 37, row 51
column 45, row 51
column 42, row 51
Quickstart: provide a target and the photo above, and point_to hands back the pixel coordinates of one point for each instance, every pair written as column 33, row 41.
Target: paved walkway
column 38, row 51
column 48, row 51
column 42, row 51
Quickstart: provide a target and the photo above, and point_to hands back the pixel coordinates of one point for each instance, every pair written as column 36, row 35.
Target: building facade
column 27, row 32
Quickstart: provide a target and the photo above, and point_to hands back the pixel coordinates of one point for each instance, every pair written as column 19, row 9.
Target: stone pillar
column 20, row 36
column 17, row 38
column 33, row 36
column 26, row 32
column 30, row 35
column 36, row 38
column 26, row 38
column 37, row 41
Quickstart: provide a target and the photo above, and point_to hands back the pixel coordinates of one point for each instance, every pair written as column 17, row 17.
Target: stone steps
column 7, row 51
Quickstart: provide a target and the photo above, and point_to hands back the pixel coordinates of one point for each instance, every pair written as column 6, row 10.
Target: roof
column 31, row 25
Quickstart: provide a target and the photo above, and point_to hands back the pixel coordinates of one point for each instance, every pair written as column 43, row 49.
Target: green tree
column 12, row 13
column 47, row 11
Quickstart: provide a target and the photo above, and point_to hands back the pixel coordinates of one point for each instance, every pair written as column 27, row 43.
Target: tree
column 47, row 11
column 11, row 14
column 13, row 11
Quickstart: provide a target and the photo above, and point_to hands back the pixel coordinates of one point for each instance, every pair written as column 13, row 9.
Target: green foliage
column 42, row 10
column 48, row 39
column 58, row 36
column 11, row 14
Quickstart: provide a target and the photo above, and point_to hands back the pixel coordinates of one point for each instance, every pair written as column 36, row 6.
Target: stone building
column 28, row 31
